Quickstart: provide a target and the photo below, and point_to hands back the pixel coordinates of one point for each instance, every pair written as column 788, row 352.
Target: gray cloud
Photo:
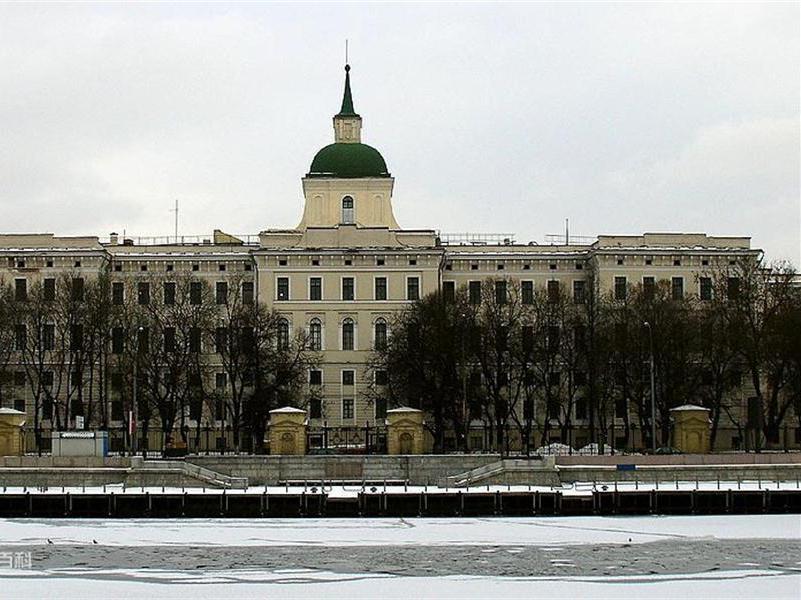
column 625, row 118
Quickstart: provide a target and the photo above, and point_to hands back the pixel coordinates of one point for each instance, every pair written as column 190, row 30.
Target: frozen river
column 739, row 556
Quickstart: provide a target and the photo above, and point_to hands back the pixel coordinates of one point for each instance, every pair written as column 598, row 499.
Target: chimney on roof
column 113, row 238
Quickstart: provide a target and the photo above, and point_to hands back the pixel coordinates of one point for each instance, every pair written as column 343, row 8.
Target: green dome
column 347, row 160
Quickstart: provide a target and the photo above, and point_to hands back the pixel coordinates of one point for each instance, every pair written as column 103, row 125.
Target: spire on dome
column 347, row 98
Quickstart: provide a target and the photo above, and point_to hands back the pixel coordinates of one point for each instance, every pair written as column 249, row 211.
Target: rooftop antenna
column 175, row 210
column 346, row 50
column 567, row 232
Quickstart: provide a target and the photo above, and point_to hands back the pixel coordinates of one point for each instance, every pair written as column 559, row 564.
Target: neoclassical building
column 349, row 265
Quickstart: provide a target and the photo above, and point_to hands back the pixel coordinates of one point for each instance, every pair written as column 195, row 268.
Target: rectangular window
column 247, row 293
column 49, row 289
column 581, row 408
column 733, row 287
column 220, row 381
column 553, row 291
column 169, row 293
column 348, row 335
column 620, row 288
column 380, row 288
column 77, row 289
column 195, row 406
column 347, row 288
column 20, row 337
column 221, row 292
column 47, row 379
column 49, row 336
column 553, row 409
column 413, row 288
column 315, row 408
column 448, row 291
column 143, row 340
column 579, row 336
column 347, row 408
column 706, row 288
column 220, row 339
column 20, row 290
column 315, row 377
column 528, row 409
column 47, row 402
column 117, row 340
column 117, row 293
column 677, row 288
column 500, row 292
column 169, row 339
column 553, row 338
column 579, row 292
column 76, row 338
column 282, row 288
column 527, row 338
column 381, row 377
column 19, row 378
column 380, row 408
column 620, row 407
column 144, row 293
column 116, row 410
column 648, row 287
column 195, row 293
column 527, row 292
column 116, row 382
column 194, row 339
column 474, row 292
column 348, row 377
column 315, row 288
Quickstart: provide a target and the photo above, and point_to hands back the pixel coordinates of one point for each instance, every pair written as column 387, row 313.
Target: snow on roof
column 287, row 409
column 690, row 407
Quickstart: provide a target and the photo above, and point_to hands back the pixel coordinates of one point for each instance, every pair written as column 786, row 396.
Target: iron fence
column 347, row 440
column 372, row 439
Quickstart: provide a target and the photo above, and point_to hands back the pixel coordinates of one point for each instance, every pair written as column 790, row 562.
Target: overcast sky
column 493, row 118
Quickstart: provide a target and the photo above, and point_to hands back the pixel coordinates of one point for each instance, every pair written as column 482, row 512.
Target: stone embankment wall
column 49, row 471
column 416, row 469
column 450, row 470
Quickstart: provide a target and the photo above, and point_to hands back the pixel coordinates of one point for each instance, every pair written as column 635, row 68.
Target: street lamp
column 653, row 396
column 133, row 416
column 465, row 423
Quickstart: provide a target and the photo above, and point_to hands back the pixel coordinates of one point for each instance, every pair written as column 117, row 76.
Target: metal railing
column 476, row 239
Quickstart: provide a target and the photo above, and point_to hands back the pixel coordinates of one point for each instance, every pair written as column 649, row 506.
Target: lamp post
column 465, row 423
column 653, row 387
column 134, row 410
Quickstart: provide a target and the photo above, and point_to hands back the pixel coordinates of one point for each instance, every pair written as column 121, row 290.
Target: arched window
column 347, row 210
column 283, row 334
column 380, row 334
column 315, row 335
column 348, row 334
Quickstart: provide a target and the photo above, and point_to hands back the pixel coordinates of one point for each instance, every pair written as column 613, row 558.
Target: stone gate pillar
column 405, row 433
column 288, row 431
column 12, row 442
column 691, row 428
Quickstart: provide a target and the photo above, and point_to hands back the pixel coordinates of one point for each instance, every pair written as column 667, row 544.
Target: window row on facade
column 347, row 289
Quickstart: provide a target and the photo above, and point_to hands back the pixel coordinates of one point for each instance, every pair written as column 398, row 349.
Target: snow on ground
column 539, row 531
column 321, row 584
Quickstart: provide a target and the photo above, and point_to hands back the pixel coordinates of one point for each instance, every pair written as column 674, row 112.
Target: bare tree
column 426, row 359
column 752, row 300
column 7, row 323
